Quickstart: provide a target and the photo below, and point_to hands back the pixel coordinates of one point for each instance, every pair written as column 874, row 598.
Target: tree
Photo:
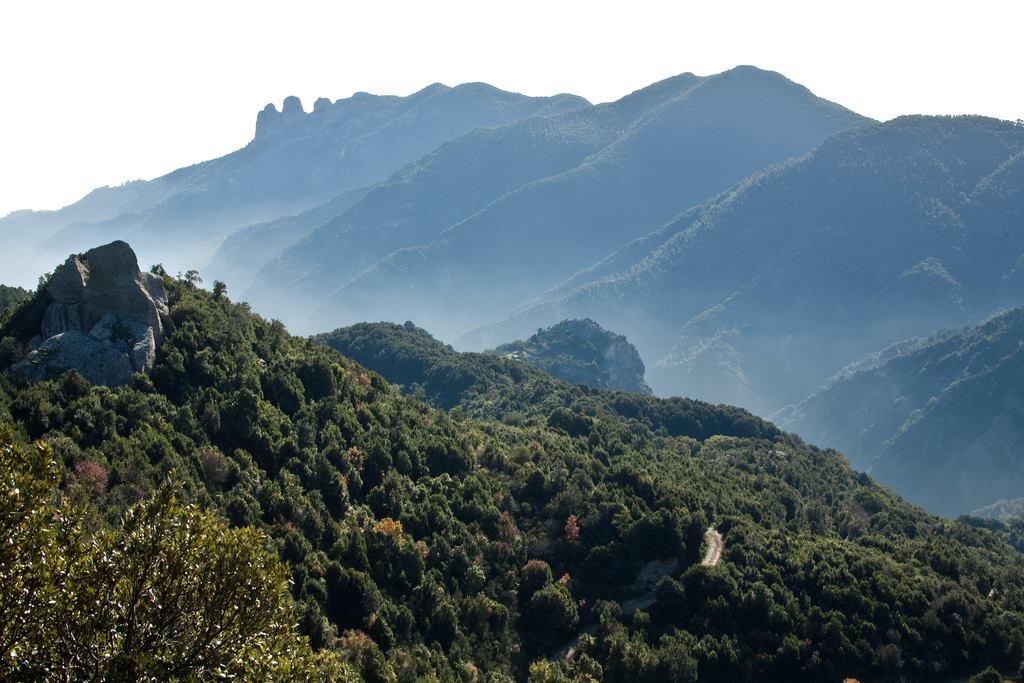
column 175, row 592
column 572, row 529
column 192, row 277
column 28, row 565
column 172, row 594
column 543, row 671
column 551, row 613
column 536, row 575
column 219, row 289
column 989, row 675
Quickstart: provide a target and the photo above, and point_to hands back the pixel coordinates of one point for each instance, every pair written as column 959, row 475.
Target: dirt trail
column 715, row 547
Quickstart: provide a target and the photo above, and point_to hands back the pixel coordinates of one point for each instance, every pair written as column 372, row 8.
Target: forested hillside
column 493, row 388
column 939, row 419
column 490, row 387
column 425, row 544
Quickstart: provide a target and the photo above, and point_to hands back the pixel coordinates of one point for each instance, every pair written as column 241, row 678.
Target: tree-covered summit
column 493, row 387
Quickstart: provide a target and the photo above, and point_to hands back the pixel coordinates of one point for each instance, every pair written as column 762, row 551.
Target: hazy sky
column 96, row 93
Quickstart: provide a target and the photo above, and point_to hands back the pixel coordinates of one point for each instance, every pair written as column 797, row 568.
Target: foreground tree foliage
column 30, row 562
column 172, row 594
column 532, row 529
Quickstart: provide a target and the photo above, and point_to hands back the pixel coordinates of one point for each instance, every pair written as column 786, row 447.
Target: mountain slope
column 239, row 258
column 425, row 543
column 296, row 161
column 940, row 419
column 555, row 194
column 756, row 298
column 686, row 149
column 457, row 180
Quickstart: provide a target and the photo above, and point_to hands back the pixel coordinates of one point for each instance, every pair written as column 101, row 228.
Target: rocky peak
column 292, row 107
column 106, row 319
column 269, row 121
column 582, row 352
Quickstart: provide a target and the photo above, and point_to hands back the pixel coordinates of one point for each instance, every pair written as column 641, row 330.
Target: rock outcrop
column 106, row 319
column 582, row 352
column 270, row 121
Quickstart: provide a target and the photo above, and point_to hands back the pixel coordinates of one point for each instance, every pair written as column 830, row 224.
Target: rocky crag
column 105, row 318
column 582, row 352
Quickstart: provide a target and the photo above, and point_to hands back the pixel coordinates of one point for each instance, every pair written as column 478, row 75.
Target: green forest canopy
column 474, row 544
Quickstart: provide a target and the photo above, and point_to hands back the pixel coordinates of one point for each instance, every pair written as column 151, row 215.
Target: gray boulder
column 106, row 320
column 99, row 362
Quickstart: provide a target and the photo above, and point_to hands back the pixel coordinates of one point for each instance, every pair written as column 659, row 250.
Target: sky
column 100, row 93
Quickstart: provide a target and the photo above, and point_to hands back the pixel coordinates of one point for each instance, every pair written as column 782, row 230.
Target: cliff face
column 583, row 352
column 105, row 318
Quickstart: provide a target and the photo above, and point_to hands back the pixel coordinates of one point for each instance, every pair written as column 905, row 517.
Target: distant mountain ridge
column 757, row 297
column 244, row 252
column 458, row 179
column 296, row 161
column 540, row 200
column 940, row 420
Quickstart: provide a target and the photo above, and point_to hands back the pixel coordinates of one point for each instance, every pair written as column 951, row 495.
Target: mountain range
column 751, row 239
column 757, row 297
column 296, row 162
column 939, row 419
column 492, row 490
column 501, row 215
